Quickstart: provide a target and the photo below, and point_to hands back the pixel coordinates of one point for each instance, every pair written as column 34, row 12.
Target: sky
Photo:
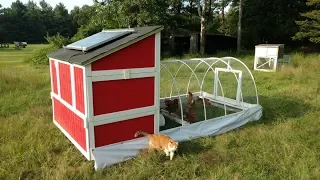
column 68, row 3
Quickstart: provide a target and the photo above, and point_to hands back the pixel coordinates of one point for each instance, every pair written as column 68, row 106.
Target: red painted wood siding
column 122, row 131
column 120, row 95
column 70, row 122
column 54, row 77
column 137, row 55
column 78, row 82
column 65, row 82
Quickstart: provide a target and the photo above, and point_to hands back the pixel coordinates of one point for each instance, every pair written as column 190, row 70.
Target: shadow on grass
column 191, row 147
column 282, row 108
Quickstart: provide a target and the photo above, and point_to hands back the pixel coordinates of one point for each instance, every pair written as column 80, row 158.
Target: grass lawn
column 284, row 144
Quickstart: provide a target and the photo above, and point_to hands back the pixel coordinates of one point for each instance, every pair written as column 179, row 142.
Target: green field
column 284, row 144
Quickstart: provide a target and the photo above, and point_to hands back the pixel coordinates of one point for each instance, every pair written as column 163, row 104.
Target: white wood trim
column 121, row 77
column 88, row 95
column 73, row 109
column 92, row 144
column 50, row 68
column 88, row 70
column 56, row 64
column 124, row 118
column 117, row 143
column 73, row 89
column 86, row 154
column 85, row 99
column 121, row 114
column 157, row 81
column 120, row 71
column 53, row 110
column 64, row 62
column 85, row 90
column 78, row 66
column 88, row 143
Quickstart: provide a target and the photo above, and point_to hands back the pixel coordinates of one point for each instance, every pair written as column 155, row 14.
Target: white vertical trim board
column 88, row 70
column 89, row 95
column 72, row 140
column 91, row 139
column 73, row 90
column 85, row 99
column 157, row 82
column 50, row 68
column 86, row 123
column 89, row 157
column 56, row 64
column 53, row 110
column 89, row 105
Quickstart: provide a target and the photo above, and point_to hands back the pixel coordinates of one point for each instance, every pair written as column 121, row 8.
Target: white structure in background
column 268, row 57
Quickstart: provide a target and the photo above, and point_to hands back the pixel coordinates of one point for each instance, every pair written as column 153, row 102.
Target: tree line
column 262, row 21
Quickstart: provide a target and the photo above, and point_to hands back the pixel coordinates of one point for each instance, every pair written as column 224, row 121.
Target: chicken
column 206, row 101
column 191, row 109
column 171, row 105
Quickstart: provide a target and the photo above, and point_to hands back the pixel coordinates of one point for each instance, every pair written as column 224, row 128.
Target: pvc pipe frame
column 206, row 61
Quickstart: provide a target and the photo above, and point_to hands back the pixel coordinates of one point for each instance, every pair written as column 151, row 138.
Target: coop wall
column 123, row 93
column 68, row 101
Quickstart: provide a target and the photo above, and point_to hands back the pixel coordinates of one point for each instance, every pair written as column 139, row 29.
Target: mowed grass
column 284, row 144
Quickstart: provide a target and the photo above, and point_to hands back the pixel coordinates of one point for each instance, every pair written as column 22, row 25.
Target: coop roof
column 93, row 52
column 269, row 45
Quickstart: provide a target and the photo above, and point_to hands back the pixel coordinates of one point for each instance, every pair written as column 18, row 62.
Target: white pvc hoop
column 210, row 67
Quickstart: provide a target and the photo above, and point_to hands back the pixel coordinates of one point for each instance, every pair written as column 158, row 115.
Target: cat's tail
column 140, row 133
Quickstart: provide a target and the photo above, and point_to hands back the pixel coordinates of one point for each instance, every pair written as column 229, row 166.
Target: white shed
column 267, row 56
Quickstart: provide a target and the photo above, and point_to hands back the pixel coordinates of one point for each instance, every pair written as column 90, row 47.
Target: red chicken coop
column 98, row 84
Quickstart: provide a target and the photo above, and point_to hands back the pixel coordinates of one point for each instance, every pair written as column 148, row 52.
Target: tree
column 35, row 28
column 63, row 21
column 202, row 11
column 222, row 5
column 239, row 27
column 310, row 27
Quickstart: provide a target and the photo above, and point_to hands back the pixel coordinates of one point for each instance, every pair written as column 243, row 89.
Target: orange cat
column 191, row 109
column 160, row 142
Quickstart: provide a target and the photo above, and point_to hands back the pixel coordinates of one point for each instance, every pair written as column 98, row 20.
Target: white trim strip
column 120, row 71
column 56, row 64
column 121, row 77
column 124, row 117
column 121, row 114
column 85, row 99
column 73, row 89
column 89, row 105
column 51, row 62
column 78, row 66
column 86, row 154
column 64, row 62
column 78, row 113
column 157, row 82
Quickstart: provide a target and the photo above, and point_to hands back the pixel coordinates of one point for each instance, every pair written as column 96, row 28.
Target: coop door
column 227, row 83
column 267, row 63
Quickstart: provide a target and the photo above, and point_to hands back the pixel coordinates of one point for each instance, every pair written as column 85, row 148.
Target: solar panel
column 100, row 38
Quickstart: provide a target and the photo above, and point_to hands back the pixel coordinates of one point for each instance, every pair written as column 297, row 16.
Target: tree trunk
column 239, row 27
column 202, row 35
column 203, row 20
